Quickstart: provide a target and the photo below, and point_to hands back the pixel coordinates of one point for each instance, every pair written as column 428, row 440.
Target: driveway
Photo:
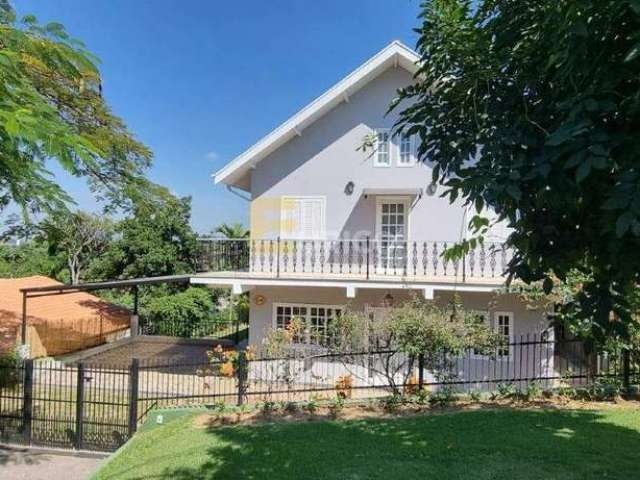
column 34, row 464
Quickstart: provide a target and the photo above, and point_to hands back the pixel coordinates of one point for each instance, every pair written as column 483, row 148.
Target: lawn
column 499, row 444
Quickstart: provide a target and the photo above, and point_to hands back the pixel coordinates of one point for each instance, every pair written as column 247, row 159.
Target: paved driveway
column 34, row 464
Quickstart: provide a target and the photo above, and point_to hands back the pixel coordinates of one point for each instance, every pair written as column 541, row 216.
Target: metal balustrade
column 361, row 258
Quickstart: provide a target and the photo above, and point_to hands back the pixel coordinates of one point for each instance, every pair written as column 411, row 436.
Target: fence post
column 278, row 256
column 368, row 259
column 134, row 371
column 420, row 371
column 27, row 401
column 80, row 408
column 626, row 371
column 464, row 267
column 242, row 375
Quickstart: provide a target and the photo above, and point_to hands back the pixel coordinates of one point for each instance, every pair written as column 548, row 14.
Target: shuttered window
column 303, row 218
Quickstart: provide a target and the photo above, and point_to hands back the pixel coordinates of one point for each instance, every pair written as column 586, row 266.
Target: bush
column 9, row 372
column 336, row 406
column 311, row 406
column 443, row 396
column 190, row 313
column 391, row 403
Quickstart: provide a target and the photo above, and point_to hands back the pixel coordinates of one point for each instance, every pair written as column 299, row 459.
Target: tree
column 415, row 328
column 30, row 258
column 79, row 237
column 154, row 239
column 52, row 109
column 533, row 109
column 232, row 231
column 184, row 314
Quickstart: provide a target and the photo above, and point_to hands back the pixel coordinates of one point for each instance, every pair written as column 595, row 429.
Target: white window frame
column 323, row 215
column 376, row 159
column 510, row 337
column 307, row 319
column 412, row 151
column 380, row 200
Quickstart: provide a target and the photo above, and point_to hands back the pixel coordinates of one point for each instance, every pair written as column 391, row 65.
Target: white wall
column 324, row 159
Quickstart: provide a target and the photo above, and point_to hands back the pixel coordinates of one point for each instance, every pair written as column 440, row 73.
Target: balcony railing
column 364, row 258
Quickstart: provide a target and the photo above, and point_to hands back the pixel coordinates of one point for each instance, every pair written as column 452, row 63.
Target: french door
column 392, row 225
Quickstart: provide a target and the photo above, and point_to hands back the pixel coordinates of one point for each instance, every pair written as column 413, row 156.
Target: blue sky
column 200, row 81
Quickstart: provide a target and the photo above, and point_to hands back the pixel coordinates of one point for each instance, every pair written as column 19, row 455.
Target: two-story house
column 335, row 226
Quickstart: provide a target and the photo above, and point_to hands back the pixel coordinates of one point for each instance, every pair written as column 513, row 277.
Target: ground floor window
column 504, row 327
column 315, row 320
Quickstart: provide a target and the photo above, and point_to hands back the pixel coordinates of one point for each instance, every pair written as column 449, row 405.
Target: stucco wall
column 261, row 316
column 324, row 159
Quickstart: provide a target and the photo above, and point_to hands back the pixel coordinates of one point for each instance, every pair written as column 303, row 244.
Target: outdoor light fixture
column 388, row 300
column 260, row 299
column 348, row 189
column 431, row 189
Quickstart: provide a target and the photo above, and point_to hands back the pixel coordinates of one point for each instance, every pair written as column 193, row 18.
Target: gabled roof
column 394, row 54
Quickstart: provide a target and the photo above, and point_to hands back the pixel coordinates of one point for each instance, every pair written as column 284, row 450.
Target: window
column 303, row 218
column 383, row 149
column 504, row 326
column 315, row 320
column 407, row 157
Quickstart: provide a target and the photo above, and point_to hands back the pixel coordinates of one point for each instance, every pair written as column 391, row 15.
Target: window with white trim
column 314, row 319
column 383, row 148
column 407, row 157
column 504, row 327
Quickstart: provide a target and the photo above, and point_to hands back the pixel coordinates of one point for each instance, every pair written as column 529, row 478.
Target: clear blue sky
column 200, row 81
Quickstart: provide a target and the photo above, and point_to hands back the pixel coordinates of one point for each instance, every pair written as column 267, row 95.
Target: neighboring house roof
column 62, row 309
column 395, row 54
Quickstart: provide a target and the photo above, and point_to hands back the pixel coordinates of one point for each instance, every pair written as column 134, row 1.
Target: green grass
column 501, row 444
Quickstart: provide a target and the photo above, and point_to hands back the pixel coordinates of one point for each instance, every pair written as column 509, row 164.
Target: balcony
column 364, row 259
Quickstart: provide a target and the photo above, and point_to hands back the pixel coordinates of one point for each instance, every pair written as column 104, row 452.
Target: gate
column 56, row 405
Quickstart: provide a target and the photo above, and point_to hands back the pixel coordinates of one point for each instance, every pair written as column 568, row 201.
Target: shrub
column 336, row 406
column 9, row 373
column 507, row 390
column 184, row 314
column 607, row 388
column 444, row 396
column 267, row 407
column 311, row 406
column 475, row 395
column 391, row 403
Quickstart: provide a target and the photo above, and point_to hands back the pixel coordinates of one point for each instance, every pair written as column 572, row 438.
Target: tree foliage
column 30, row 258
column 232, row 230
column 154, row 239
column 533, row 108
column 52, row 109
column 79, row 237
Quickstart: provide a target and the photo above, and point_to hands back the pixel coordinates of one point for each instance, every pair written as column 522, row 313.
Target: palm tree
column 234, row 230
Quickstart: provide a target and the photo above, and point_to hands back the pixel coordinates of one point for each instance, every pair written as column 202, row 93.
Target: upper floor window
column 407, row 154
column 383, row 148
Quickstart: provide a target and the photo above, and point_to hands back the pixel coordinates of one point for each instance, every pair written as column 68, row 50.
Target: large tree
column 154, row 239
column 533, row 108
column 52, row 109
column 79, row 238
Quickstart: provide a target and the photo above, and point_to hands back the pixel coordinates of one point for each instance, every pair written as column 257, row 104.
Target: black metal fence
column 99, row 407
column 361, row 258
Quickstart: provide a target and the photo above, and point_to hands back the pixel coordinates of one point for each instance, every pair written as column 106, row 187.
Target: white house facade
column 336, row 226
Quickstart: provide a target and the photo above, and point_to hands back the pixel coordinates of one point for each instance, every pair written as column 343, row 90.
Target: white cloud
column 212, row 155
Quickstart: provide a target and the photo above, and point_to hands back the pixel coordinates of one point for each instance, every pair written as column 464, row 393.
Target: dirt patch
column 374, row 409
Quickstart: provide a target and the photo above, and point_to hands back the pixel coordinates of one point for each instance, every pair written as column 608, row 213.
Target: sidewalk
column 17, row 463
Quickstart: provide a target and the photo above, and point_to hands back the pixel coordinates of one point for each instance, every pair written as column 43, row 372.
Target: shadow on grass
column 509, row 444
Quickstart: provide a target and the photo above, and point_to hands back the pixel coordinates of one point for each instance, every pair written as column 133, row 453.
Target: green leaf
column 514, row 192
column 623, row 223
column 583, row 170
column 633, row 53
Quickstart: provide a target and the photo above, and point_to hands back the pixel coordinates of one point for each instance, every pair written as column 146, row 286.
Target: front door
column 392, row 225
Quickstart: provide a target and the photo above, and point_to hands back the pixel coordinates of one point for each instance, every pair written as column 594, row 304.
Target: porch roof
column 241, row 282
column 416, row 192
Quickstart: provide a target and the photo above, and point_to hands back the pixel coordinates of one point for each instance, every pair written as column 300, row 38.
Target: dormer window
column 407, row 156
column 383, row 150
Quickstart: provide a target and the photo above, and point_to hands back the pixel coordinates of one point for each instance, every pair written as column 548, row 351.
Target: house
column 57, row 323
column 333, row 226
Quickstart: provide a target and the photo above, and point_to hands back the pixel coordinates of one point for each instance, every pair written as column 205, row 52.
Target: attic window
column 383, row 153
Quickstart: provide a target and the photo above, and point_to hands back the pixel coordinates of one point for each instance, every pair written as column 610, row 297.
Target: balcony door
column 392, row 231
